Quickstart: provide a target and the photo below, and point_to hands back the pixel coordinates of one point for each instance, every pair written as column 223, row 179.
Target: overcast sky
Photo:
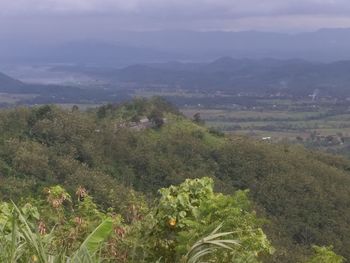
column 100, row 18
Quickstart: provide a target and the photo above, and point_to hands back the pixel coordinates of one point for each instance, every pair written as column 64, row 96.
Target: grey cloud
column 196, row 8
column 105, row 17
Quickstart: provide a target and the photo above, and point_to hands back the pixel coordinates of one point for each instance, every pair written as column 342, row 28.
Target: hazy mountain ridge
column 296, row 77
column 42, row 93
column 268, row 76
column 126, row 48
column 10, row 84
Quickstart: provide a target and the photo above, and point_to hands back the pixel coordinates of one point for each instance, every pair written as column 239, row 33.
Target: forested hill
column 123, row 152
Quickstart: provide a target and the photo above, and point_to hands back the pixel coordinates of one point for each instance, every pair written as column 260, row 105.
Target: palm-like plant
column 209, row 245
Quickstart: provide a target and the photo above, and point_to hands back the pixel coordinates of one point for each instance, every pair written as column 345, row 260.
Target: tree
column 325, row 255
column 75, row 108
column 197, row 118
column 187, row 212
column 156, row 116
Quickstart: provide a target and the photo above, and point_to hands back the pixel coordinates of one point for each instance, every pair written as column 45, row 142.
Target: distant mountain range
column 126, row 48
column 296, row 77
column 250, row 76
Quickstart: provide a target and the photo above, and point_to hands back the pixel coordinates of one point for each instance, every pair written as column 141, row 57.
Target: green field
column 327, row 127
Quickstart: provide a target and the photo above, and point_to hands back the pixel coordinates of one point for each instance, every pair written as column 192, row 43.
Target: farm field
column 317, row 125
column 287, row 123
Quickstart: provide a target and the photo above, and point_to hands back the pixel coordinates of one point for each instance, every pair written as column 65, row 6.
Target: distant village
column 143, row 124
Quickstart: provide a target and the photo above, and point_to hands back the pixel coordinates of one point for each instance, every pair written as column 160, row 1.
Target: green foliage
column 167, row 233
column 187, row 212
column 209, row 245
column 324, row 255
column 93, row 242
column 20, row 243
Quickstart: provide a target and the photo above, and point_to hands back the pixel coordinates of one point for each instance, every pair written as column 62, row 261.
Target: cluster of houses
column 143, row 124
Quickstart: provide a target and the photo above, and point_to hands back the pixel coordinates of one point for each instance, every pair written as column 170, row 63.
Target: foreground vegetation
column 167, row 232
column 53, row 161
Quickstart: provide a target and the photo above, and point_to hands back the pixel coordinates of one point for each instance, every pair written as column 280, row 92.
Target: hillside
column 119, row 155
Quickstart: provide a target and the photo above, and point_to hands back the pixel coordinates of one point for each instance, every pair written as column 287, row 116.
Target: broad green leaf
column 101, row 233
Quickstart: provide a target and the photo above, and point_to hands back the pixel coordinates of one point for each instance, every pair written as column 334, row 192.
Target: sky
column 103, row 18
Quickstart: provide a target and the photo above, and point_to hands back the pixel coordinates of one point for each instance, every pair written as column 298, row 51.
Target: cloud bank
column 194, row 8
column 91, row 17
